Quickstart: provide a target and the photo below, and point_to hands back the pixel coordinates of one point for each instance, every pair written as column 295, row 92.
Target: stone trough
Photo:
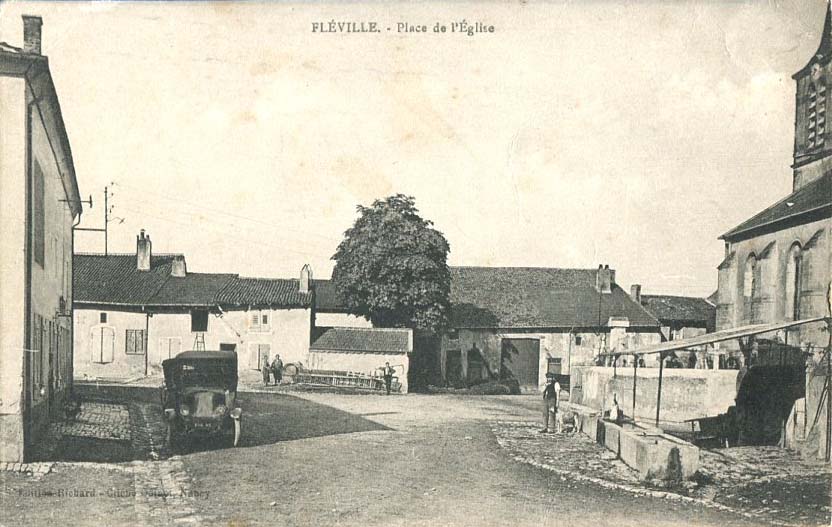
column 652, row 453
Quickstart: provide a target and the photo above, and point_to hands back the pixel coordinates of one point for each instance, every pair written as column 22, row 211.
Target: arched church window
column 792, row 285
column 816, row 115
column 750, row 278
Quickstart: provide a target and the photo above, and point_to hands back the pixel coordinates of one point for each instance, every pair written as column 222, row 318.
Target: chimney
column 178, row 269
column 635, row 293
column 31, row 34
column 305, row 279
column 143, row 252
column 604, row 279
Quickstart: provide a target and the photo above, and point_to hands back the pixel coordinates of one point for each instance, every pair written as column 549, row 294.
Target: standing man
column 264, row 369
column 387, row 372
column 277, row 370
column 551, row 396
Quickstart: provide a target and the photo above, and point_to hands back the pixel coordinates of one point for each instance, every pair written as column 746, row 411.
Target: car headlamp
column 184, row 410
column 220, row 409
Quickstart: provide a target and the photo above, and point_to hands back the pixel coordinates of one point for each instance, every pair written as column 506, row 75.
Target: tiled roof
column 523, row 297
column 327, row 297
column 276, row 292
column 368, row 340
column 680, row 309
column 114, row 279
column 192, row 289
column 814, row 196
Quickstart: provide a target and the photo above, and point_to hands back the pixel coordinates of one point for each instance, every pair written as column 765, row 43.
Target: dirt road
column 328, row 459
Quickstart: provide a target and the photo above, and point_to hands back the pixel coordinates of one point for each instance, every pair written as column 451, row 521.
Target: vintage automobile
column 199, row 396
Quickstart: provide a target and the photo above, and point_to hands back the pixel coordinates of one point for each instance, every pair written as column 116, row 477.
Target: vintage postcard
column 437, row 263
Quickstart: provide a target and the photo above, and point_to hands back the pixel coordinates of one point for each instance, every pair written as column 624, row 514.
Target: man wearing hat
column 551, row 395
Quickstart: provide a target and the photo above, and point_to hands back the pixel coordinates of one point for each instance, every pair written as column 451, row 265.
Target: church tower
column 812, row 137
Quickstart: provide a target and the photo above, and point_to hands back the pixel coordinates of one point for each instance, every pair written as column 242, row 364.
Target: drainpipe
column 635, row 378
column 27, row 286
column 71, row 379
column 146, row 339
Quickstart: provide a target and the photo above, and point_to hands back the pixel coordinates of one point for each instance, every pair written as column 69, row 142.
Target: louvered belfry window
column 816, row 122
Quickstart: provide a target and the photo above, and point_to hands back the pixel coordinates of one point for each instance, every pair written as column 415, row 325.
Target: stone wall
column 686, row 393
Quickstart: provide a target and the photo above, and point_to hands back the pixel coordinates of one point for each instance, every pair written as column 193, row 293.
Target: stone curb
column 38, row 470
column 638, row 491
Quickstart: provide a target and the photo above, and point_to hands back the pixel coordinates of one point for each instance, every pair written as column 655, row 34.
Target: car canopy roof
column 227, row 358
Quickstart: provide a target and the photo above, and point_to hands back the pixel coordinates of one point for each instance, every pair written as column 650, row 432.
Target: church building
column 777, row 263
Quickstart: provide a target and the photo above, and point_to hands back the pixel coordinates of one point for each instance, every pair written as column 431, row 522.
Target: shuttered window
column 38, row 214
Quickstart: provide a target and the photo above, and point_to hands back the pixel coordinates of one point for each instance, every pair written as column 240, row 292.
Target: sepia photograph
column 441, row 263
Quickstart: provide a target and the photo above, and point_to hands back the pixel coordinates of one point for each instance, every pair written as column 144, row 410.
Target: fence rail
column 345, row 379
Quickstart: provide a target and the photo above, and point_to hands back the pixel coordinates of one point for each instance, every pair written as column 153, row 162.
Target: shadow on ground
column 268, row 418
column 70, row 448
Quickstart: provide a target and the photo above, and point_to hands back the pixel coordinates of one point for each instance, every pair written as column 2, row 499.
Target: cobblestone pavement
column 767, row 481
column 760, row 483
column 164, row 494
column 98, row 420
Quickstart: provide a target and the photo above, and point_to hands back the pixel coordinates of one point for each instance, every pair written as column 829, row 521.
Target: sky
column 575, row 134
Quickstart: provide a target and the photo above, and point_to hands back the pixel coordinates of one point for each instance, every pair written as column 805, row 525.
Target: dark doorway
column 521, row 361
column 453, row 368
column 476, row 366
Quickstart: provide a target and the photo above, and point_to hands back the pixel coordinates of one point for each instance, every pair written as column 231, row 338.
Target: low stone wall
column 686, row 393
column 653, row 454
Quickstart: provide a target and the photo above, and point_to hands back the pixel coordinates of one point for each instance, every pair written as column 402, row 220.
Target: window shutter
column 95, row 345
column 108, row 342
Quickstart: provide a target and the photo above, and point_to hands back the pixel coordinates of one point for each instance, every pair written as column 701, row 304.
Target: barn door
column 521, row 361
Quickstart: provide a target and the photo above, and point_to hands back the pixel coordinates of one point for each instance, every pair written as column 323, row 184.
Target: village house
column 330, row 310
column 363, row 350
column 524, row 322
column 777, row 263
column 132, row 311
column 39, row 203
column 681, row 317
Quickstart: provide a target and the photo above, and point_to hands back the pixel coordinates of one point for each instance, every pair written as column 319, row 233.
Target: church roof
column 824, row 52
column 812, row 199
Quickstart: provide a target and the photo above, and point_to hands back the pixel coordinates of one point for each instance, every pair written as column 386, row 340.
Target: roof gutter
column 733, row 234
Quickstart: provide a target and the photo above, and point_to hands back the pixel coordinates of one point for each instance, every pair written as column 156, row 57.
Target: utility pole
column 106, row 217
column 107, row 211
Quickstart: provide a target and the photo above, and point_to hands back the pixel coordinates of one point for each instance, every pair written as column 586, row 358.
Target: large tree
column 391, row 267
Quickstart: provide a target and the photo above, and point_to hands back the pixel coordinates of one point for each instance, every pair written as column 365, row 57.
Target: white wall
column 12, row 264
column 87, row 341
column 287, row 333
column 343, row 320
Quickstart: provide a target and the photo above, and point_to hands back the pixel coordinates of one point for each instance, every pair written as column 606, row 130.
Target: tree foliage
column 391, row 267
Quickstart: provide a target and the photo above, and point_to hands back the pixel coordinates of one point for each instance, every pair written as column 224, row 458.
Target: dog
column 72, row 407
